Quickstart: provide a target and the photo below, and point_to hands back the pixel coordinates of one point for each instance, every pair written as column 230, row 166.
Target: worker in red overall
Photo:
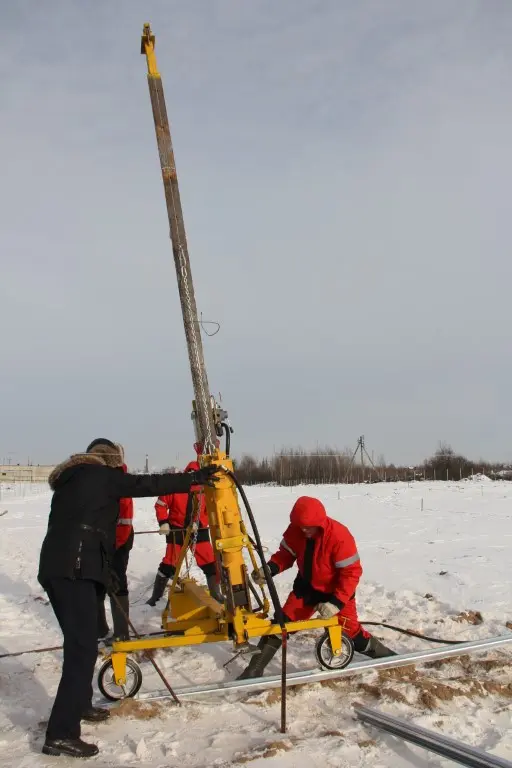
column 174, row 513
column 329, row 572
column 119, row 604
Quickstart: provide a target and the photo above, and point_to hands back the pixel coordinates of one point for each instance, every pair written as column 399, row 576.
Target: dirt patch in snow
column 138, row 709
column 331, row 734
column 273, row 697
column 489, row 664
column 366, row 743
column 458, row 676
column 371, row 690
column 471, row 617
column 394, row 695
column 431, row 694
column 468, row 680
column 271, row 749
column 397, row 673
column 439, row 663
column 451, row 678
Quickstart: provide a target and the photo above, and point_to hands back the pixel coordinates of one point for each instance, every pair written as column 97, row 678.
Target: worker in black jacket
column 74, row 567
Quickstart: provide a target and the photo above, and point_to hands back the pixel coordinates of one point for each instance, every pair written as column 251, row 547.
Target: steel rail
column 317, row 676
column 434, row 742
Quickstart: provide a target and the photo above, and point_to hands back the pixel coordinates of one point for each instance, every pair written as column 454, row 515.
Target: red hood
column 125, row 468
column 192, row 465
column 307, row 512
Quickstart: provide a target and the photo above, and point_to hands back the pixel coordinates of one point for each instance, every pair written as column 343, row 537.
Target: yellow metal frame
column 192, row 616
column 197, row 629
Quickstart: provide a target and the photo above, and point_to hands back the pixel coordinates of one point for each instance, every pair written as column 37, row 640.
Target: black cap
column 101, row 441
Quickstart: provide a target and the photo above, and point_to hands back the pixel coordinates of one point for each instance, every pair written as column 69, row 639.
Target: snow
column 478, row 478
column 450, row 541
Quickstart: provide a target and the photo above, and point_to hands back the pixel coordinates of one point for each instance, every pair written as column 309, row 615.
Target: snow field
column 457, row 551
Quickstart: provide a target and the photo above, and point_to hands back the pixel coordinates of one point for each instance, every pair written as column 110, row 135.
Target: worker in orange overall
column 329, row 571
column 174, row 513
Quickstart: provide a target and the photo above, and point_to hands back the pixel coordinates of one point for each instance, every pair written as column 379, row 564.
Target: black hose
column 228, row 437
column 411, row 633
column 33, row 650
column 278, row 611
column 259, row 548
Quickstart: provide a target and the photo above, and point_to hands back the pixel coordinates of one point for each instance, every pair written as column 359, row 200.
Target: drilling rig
column 192, row 616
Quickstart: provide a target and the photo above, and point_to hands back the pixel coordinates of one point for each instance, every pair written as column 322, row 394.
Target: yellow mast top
column 147, row 48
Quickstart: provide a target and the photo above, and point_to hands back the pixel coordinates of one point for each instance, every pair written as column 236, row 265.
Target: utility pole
column 362, row 448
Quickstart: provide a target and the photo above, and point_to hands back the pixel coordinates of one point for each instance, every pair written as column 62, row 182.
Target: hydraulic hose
column 411, row 633
column 279, row 615
column 259, row 548
column 228, row 436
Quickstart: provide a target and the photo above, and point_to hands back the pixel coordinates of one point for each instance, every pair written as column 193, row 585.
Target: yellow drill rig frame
column 192, row 616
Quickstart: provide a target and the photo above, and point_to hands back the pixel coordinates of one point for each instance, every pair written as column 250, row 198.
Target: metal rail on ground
column 317, row 676
column 434, row 742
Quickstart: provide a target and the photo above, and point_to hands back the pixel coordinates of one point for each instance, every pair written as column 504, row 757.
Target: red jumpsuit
column 124, row 542
column 328, row 564
column 119, row 565
column 124, row 527
column 178, row 509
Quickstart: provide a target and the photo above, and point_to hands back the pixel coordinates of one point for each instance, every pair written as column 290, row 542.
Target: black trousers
column 74, row 603
column 119, row 564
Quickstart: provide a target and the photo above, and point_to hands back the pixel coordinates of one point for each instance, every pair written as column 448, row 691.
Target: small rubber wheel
column 109, row 687
column 325, row 656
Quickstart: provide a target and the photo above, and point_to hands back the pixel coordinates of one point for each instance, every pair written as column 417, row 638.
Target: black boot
column 158, row 588
column 268, row 645
column 103, row 628
column 96, row 714
column 377, row 650
column 119, row 616
column 214, row 589
column 69, row 748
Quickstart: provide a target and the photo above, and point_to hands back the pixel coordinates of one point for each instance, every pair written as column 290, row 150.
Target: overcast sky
column 345, row 171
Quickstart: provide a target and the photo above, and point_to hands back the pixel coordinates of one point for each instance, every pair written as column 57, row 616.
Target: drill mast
column 204, row 414
column 226, row 527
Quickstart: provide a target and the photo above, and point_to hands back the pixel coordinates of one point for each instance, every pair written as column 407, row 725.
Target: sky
column 346, row 179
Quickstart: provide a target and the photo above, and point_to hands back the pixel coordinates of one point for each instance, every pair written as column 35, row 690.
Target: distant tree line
column 296, row 466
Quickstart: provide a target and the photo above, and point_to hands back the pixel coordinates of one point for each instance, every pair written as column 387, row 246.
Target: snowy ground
column 464, row 533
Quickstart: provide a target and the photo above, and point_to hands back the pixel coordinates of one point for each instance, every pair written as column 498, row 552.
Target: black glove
column 204, row 476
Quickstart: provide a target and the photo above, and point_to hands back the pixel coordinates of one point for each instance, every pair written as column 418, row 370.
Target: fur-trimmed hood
column 100, row 455
column 74, row 461
column 112, row 454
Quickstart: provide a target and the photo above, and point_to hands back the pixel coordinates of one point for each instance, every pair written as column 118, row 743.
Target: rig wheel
column 325, row 655
column 108, row 686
